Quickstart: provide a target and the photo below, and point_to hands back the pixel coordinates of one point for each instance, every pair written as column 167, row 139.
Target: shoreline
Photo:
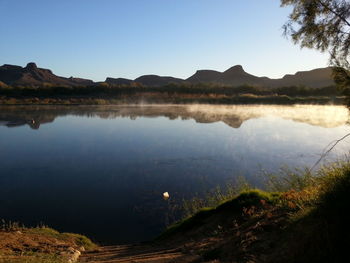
column 241, row 100
column 269, row 226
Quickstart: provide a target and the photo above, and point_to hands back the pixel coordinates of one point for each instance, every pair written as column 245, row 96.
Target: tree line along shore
column 210, row 94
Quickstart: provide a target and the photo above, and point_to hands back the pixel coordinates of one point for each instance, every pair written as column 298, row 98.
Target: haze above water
column 101, row 170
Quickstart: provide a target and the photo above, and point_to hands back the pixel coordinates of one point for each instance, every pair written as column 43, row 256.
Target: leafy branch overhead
column 323, row 25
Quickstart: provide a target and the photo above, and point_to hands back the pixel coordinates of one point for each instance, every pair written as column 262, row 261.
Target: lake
column 102, row 170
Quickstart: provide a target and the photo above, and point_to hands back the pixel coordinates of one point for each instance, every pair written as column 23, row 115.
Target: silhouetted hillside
column 315, row 78
column 118, row 81
column 33, row 76
column 236, row 76
column 157, row 81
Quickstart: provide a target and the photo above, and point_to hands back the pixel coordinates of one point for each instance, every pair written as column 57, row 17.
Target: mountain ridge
column 31, row 75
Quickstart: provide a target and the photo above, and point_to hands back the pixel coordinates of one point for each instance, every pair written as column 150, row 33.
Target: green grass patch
column 321, row 198
column 235, row 205
column 79, row 240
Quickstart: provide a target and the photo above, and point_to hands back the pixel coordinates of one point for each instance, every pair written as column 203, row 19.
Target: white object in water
column 166, row 195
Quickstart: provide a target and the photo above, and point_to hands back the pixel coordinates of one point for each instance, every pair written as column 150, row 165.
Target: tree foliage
column 323, row 25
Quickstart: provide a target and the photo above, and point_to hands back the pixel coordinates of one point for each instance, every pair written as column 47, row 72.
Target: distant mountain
column 146, row 80
column 315, row 78
column 205, row 76
column 157, row 81
column 118, row 81
column 31, row 75
column 79, row 81
column 236, row 76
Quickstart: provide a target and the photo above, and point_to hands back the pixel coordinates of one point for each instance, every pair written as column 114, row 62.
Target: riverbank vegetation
column 200, row 93
column 300, row 218
column 19, row 244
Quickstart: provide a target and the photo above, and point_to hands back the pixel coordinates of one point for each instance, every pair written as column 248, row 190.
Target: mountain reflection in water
column 323, row 116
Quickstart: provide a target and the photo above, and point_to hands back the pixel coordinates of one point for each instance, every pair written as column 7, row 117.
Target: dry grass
column 306, row 222
column 38, row 244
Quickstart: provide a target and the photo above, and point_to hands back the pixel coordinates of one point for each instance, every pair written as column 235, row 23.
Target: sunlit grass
column 33, row 258
column 298, row 191
column 39, row 244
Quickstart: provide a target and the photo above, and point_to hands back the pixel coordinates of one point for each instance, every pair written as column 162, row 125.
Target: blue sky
column 128, row 38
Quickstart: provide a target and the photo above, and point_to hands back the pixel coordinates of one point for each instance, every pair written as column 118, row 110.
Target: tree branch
column 325, row 153
column 334, row 12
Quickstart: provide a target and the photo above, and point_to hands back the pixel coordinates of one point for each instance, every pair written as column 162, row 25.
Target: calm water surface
column 101, row 171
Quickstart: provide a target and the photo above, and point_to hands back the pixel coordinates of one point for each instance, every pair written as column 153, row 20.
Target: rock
column 72, row 255
column 71, row 249
column 33, row 76
column 31, row 66
column 166, row 196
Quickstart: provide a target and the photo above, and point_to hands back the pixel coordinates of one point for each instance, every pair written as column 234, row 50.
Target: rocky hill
column 316, row 78
column 236, row 76
column 156, row 81
column 31, row 75
column 118, row 81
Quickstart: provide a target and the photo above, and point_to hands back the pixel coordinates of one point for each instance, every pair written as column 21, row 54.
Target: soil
column 244, row 239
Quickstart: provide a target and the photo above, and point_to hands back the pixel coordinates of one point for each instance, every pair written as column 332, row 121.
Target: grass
column 44, row 231
column 34, row 258
column 285, row 181
column 316, row 208
column 248, row 199
column 320, row 230
column 38, row 244
column 78, row 239
column 106, row 94
column 165, row 98
column 215, row 197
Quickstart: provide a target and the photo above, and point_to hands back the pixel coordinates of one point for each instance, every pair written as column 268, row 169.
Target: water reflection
column 234, row 115
column 102, row 171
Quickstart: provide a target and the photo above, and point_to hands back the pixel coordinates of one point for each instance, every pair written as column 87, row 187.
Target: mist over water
column 325, row 116
column 102, row 170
